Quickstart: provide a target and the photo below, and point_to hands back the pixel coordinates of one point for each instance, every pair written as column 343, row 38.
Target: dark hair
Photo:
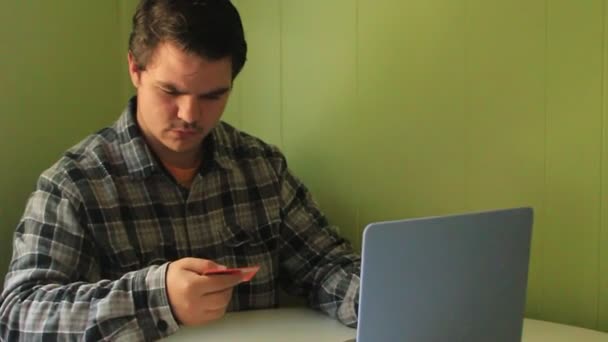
column 211, row 29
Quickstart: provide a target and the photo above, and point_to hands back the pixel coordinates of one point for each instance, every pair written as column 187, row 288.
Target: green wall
column 390, row 109
column 386, row 109
column 60, row 79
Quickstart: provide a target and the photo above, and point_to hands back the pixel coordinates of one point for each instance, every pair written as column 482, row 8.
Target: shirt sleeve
column 317, row 262
column 53, row 289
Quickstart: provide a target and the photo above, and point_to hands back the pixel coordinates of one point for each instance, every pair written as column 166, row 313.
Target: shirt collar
column 219, row 144
column 140, row 160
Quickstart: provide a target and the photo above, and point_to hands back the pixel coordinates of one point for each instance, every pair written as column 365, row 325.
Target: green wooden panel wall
column 391, row 109
column 260, row 107
column 319, row 85
column 573, row 162
column 506, row 115
column 603, row 242
column 60, row 80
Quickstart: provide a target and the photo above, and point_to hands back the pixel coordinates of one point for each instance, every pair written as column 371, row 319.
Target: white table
column 301, row 324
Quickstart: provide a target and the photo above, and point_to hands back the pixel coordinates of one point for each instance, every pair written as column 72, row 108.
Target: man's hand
column 195, row 298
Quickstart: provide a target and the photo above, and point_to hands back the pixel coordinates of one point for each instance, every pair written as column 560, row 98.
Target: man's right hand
column 197, row 299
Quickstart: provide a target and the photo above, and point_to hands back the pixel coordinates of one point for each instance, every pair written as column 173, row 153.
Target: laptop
column 451, row 278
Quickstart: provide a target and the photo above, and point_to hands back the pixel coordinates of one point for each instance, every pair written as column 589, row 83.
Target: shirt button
column 162, row 325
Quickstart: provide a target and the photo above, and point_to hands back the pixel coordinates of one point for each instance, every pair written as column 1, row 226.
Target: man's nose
column 189, row 110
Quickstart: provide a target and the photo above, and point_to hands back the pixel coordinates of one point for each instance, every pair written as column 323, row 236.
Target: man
column 115, row 241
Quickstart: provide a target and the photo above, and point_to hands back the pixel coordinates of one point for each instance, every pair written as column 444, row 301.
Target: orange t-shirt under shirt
column 184, row 177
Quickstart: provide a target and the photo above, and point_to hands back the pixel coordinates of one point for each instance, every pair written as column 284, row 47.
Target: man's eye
column 210, row 97
column 169, row 92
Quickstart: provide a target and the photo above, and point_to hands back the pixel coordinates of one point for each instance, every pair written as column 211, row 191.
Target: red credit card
column 247, row 272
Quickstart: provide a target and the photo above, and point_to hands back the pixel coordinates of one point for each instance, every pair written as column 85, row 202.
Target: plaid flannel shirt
column 91, row 251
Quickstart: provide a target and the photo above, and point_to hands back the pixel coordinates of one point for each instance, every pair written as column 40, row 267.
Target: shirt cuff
column 348, row 311
column 158, row 301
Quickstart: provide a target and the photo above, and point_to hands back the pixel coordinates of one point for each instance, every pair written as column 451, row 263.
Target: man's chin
column 184, row 148
column 182, row 145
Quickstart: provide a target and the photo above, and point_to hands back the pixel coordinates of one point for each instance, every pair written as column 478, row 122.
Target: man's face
column 180, row 99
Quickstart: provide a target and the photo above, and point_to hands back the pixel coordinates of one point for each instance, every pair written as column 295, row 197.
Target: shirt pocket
column 125, row 248
column 253, row 246
column 256, row 238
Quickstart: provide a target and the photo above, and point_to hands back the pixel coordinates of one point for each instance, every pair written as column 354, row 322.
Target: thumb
column 199, row 266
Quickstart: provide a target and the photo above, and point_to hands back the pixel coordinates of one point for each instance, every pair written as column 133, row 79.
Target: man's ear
column 134, row 70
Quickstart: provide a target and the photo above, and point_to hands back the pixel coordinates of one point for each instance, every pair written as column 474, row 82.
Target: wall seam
column 546, row 151
column 281, row 78
column 358, row 223
column 601, row 192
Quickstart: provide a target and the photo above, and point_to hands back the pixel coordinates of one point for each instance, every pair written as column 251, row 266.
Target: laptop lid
column 450, row 278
